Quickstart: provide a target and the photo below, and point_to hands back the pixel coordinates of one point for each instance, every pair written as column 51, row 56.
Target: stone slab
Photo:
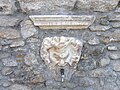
column 97, row 5
column 62, row 21
column 7, row 6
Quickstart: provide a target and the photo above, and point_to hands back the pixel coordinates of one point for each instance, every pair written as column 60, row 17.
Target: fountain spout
column 62, row 74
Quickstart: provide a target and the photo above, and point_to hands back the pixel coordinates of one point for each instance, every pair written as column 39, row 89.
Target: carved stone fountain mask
column 61, row 51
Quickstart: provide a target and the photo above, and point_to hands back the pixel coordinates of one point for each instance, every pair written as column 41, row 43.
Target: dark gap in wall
column 17, row 4
column 119, row 4
column 74, row 8
column 1, row 8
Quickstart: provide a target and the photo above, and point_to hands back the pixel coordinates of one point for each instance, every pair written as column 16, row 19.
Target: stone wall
column 21, row 66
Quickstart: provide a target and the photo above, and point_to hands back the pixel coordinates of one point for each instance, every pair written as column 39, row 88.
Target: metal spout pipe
column 62, row 74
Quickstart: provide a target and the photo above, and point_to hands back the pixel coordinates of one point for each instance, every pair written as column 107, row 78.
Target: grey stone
column 104, row 39
column 97, row 73
column 111, row 37
column 117, row 10
column 65, row 88
column 4, row 55
column 33, row 40
column 6, row 71
column 70, row 85
column 99, row 28
column 110, row 86
column 1, row 65
column 80, row 73
column 115, row 36
column 94, row 41
column 17, row 43
column 53, row 83
column 9, row 33
column 118, row 81
column 6, row 84
column 114, row 17
column 112, row 48
column 86, row 65
column 104, row 61
column 86, row 82
column 97, row 5
column 115, row 24
column 30, row 59
column 37, row 79
column 6, row 48
column 46, row 6
column 8, row 21
column 21, row 49
column 0, row 47
column 27, row 29
column 10, row 61
column 79, row 88
column 3, row 88
column 114, row 55
column 6, row 42
column 19, row 87
column 104, row 21
column 6, row 7
column 116, row 65
column 108, row 74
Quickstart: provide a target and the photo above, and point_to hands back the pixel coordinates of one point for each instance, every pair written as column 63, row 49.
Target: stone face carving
column 61, row 51
column 62, row 21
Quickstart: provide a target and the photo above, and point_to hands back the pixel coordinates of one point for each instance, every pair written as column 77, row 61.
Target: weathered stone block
column 30, row 59
column 114, row 55
column 8, row 21
column 115, row 24
column 117, row 10
column 111, row 37
column 62, row 21
column 112, row 48
column 27, row 29
column 6, row 6
column 6, row 71
column 10, row 61
column 97, row 5
column 104, row 62
column 19, row 87
column 46, row 5
column 115, row 36
column 87, row 82
column 114, row 17
column 116, row 65
column 94, row 41
column 99, row 28
column 9, row 33
column 17, row 43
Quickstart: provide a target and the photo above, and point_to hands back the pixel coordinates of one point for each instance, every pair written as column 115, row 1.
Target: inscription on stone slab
column 62, row 21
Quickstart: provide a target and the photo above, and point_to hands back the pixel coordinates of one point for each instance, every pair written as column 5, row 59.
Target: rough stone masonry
column 21, row 66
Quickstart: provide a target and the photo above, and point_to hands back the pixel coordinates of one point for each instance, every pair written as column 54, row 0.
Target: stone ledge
column 62, row 21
